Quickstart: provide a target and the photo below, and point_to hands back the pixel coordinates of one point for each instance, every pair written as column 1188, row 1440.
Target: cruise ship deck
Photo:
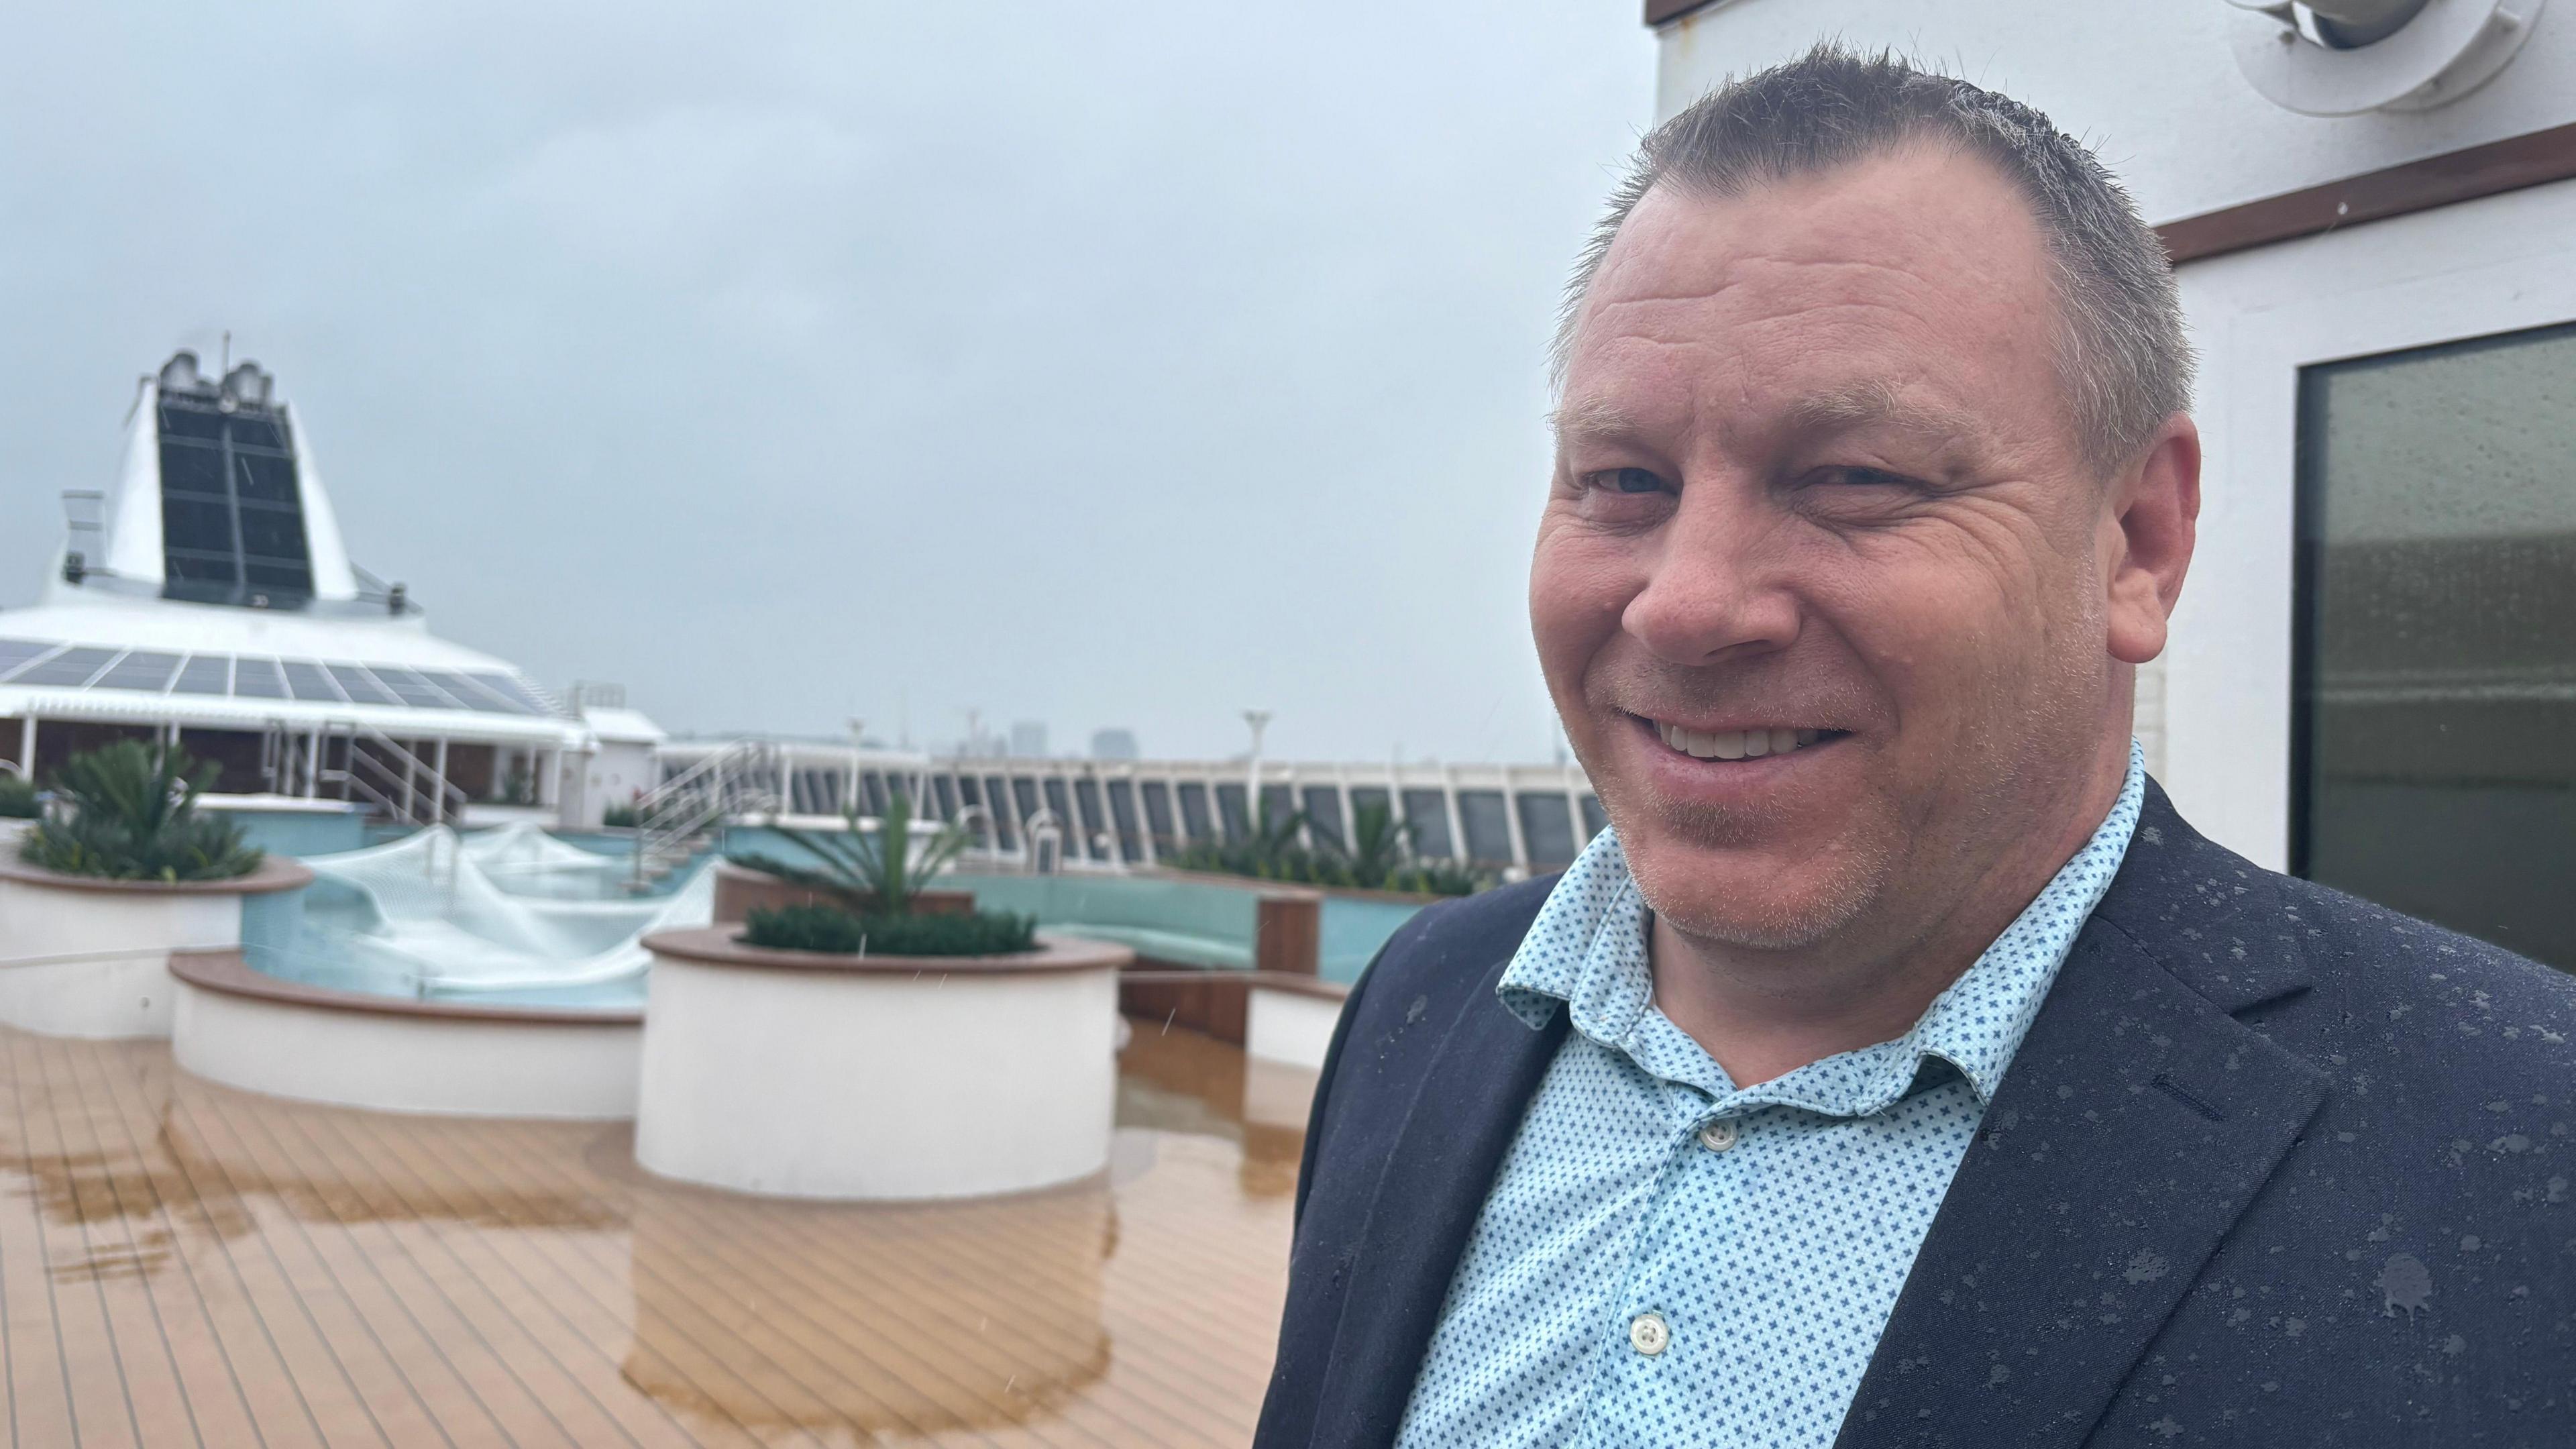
column 182, row 1264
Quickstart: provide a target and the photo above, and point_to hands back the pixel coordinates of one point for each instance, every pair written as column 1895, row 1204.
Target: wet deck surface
column 181, row 1264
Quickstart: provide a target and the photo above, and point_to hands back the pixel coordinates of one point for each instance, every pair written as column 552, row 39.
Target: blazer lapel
column 2138, row 1120
column 1463, row 1120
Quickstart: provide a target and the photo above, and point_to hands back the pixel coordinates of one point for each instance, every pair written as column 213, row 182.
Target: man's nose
column 1715, row 588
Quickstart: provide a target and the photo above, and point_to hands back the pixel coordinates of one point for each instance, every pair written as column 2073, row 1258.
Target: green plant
column 18, row 799
column 1374, row 858
column 831, row 929
column 618, row 817
column 876, row 873
column 133, row 816
column 518, row 787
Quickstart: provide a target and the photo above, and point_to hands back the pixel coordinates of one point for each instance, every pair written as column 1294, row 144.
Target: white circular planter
column 799, row 1074
column 243, row 1029
column 85, row 957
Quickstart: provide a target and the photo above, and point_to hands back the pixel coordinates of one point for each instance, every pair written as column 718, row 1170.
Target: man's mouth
column 1751, row 742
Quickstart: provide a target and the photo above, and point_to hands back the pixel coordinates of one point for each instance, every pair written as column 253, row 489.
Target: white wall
column 2150, row 85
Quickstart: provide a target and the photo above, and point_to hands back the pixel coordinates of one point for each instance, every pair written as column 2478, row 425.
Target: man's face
column 1816, row 591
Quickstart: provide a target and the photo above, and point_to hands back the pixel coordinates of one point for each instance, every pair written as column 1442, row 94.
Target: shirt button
column 1717, row 1136
column 1648, row 1333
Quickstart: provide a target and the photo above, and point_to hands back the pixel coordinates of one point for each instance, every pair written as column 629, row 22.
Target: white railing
column 746, row 777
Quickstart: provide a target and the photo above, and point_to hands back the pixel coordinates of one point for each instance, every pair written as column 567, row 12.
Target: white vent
column 2346, row 57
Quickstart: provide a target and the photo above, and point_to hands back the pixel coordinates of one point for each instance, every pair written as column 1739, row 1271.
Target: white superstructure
column 213, row 598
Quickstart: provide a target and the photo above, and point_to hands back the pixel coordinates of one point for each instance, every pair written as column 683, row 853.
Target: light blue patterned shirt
column 1665, row 1259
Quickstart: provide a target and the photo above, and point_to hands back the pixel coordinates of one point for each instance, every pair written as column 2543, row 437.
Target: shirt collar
column 1587, row 950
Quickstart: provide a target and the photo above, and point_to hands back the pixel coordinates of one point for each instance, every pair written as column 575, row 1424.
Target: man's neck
column 1761, row 1014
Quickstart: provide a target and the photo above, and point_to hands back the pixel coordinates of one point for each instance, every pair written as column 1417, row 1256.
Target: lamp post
column 1259, row 719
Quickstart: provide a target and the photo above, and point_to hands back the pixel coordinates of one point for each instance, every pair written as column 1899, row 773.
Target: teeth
column 1736, row 744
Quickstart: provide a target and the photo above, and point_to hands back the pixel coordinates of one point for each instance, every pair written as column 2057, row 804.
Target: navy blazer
column 2274, row 1166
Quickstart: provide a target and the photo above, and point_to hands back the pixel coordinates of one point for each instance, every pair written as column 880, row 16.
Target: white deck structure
column 211, row 597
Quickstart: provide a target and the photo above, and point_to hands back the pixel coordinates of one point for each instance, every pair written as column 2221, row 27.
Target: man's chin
column 1754, row 900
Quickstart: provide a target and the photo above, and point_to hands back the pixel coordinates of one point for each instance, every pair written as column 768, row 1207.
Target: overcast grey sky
column 1110, row 364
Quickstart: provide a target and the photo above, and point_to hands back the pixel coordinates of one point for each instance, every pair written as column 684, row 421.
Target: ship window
column 307, row 681
column 1364, row 797
column 1122, row 809
column 943, row 791
column 1426, row 816
column 413, row 690
column 1229, row 806
column 1025, row 791
column 1005, row 823
column 72, row 666
column 205, row 674
column 1547, row 823
column 141, row 669
column 1324, row 814
column 1278, row 802
column 14, row 652
column 232, row 518
column 1482, row 814
column 258, row 679
column 1059, row 802
column 1158, row 811
column 1194, row 812
column 2434, row 674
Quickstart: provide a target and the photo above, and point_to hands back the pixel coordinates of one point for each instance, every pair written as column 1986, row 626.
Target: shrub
column 18, row 799
column 831, row 929
column 133, row 816
column 618, row 817
column 874, row 873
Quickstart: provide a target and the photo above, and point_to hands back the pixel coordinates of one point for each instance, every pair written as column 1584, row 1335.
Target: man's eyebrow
column 1593, row 420
column 1872, row 403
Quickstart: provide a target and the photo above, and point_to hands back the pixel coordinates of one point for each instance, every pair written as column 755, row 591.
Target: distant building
column 1028, row 739
column 1113, row 744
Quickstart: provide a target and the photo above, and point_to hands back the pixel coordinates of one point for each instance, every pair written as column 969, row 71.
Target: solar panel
column 14, row 652
column 257, row 679
column 205, row 674
column 71, row 667
column 142, row 669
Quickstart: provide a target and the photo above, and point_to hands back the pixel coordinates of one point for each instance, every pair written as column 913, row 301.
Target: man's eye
column 1859, row 478
column 1626, row 480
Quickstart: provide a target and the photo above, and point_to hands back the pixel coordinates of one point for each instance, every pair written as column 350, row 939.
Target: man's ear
column 2150, row 519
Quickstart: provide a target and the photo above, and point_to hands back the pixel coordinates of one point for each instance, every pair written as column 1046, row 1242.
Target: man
column 1900, row 1068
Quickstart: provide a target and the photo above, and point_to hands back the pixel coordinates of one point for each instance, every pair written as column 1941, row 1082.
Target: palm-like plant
column 871, row 872
column 132, row 815
column 1378, row 845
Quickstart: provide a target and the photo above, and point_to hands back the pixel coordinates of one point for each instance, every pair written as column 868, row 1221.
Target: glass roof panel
column 72, row 666
column 14, row 652
column 258, row 679
column 415, row 691
column 517, row 697
column 360, row 685
column 307, row 680
column 142, row 669
column 205, row 674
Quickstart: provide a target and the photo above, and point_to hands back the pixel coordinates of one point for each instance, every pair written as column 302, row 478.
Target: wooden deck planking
column 185, row 1265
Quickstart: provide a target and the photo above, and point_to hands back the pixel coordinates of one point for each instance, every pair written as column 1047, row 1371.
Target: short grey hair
column 2122, row 351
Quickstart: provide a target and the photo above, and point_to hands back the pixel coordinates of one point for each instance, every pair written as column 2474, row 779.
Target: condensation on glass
column 2434, row 744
